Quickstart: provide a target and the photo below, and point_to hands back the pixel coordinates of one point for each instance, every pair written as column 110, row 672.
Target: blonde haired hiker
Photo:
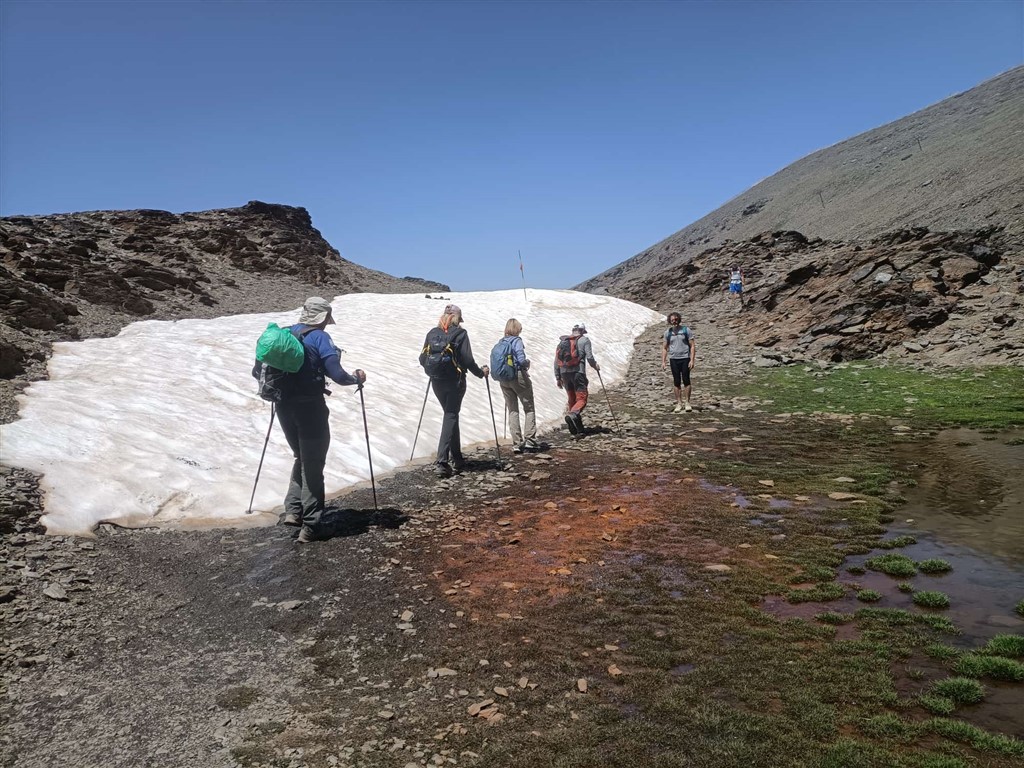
column 510, row 368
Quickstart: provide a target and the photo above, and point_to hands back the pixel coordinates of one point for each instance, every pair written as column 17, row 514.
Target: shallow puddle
column 967, row 508
column 969, row 492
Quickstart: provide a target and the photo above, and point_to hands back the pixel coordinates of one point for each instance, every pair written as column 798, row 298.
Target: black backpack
column 438, row 356
column 276, row 385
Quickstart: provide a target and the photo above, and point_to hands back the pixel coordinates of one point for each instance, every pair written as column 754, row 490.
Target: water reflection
column 970, row 491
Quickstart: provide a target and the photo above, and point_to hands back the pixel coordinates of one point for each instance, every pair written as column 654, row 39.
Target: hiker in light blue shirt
column 519, row 389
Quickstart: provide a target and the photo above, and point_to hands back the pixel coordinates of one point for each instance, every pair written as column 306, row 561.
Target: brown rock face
column 953, row 297
column 88, row 274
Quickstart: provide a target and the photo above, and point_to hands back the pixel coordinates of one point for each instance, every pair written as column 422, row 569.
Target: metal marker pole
column 366, row 429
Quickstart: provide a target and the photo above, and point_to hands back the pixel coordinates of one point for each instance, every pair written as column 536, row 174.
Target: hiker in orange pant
column 571, row 358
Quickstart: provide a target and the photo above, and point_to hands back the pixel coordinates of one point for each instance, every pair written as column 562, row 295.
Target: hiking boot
column 578, row 421
column 442, row 469
column 291, row 518
column 570, row 422
column 688, row 408
column 306, row 535
column 518, row 448
column 678, row 408
column 459, row 465
column 530, row 445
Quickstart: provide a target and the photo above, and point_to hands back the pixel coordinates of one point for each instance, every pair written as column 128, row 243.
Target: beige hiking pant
column 520, row 389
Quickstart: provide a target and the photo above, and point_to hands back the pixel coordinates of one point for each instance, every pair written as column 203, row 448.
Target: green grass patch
column 996, row 667
column 958, row 730
column 893, row 565
column 819, row 593
column 937, row 705
column 941, row 652
column 941, row 623
column 995, row 399
column 1015, row 441
column 869, row 596
column 856, row 570
column 899, row 541
column 884, row 725
column 929, row 599
column 1010, row 646
column 905, row 587
column 962, row 690
column 1019, row 608
column 891, row 617
column 933, row 566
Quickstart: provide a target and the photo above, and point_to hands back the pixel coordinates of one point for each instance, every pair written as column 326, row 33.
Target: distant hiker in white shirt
column 679, row 351
column 736, row 284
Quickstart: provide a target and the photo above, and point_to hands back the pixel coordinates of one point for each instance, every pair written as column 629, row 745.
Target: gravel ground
column 240, row 647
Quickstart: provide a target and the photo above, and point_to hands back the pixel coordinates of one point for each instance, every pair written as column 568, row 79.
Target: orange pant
column 575, row 385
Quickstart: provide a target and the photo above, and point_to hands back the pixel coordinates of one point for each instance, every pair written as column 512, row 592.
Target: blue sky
column 437, row 138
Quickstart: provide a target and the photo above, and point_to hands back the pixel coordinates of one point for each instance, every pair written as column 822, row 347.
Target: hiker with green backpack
column 292, row 367
column 511, row 369
column 445, row 358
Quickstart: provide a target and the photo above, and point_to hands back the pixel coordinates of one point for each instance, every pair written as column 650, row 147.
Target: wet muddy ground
column 624, row 599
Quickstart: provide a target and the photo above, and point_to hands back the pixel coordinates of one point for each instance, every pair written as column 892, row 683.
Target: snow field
column 161, row 426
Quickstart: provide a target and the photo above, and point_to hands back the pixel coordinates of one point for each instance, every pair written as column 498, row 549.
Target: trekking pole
column 606, row 397
column 262, row 455
column 422, row 411
column 366, row 429
column 504, row 423
column 494, row 424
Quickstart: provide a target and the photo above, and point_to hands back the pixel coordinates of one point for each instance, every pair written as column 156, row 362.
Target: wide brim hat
column 315, row 311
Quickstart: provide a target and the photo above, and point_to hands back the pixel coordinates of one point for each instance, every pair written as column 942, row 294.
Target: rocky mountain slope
column 845, row 247
column 77, row 275
column 952, row 298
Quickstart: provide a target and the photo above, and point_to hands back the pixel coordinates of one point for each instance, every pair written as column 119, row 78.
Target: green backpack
column 279, row 348
column 280, row 353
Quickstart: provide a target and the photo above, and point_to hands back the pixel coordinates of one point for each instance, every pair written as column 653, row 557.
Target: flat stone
column 55, row 592
column 718, row 568
column 842, row 496
column 290, row 605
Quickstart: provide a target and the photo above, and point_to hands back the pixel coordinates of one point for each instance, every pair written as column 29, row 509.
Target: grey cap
column 582, row 328
column 315, row 311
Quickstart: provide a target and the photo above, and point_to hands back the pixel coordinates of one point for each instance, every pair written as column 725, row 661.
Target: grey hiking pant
column 520, row 389
column 449, row 393
column 304, row 422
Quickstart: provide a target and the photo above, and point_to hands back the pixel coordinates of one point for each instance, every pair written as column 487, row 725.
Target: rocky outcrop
column 76, row 275
column 949, row 297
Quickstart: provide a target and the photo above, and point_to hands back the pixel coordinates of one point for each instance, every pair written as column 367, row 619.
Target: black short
column 680, row 370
